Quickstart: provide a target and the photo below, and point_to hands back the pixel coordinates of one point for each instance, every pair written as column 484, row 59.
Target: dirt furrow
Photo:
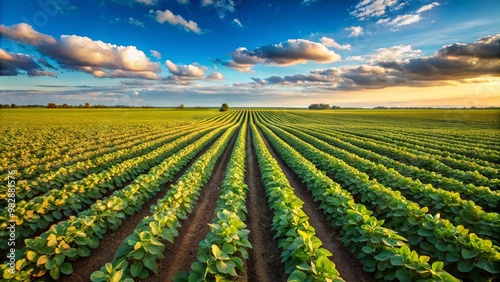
column 264, row 264
column 349, row 267
column 112, row 240
column 180, row 255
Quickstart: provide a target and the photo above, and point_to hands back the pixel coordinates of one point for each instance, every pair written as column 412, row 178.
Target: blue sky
column 250, row 53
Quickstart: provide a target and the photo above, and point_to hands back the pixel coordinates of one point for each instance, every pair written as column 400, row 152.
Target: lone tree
column 52, row 105
column 181, row 106
column 224, row 107
column 319, row 106
column 87, row 105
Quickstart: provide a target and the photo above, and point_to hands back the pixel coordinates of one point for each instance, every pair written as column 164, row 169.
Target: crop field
column 250, row 195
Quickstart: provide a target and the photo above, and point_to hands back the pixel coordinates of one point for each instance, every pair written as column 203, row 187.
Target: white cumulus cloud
column 168, row 16
column 330, row 42
column 355, row 31
column 427, row 7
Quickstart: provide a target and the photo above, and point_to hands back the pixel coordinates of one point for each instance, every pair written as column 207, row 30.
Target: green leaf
column 488, row 266
column 153, row 249
column 150, row 263
column 51, row 264
column 397, row 260
column 437, row 266
column 403, row 275
column 71, row 252
column 367, row 249
column 384, row 255
column 59, row 259
column 452, row 257
column 468, row 254
column 66, row 268
column 297, row 276
column 98, row 276
column 425, row 232
column 228, row 249
column 57, row 214
column 83, row 251
column 198, row 267
column 54, row 272
column 136, row 268
column 304, row 267
column 225, row 266
column 239, row 262
column 464, row 266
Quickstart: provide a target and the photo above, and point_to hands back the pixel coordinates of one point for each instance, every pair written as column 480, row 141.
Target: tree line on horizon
column 322, row 106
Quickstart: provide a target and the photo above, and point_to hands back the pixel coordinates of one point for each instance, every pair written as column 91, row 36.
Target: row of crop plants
column 460, row 158
column 408, row 244
column 443, row 140
column 483, row 196
column 139, row 253
column 39, row 212
column 35, row 185
column 52, row 252
column 444, row 158
column 419, row 159
column 464, row 254
column 381, row 250
column 47, row 157
column 221, row 254
column 91, row 143
column 449, row 204
column 89, row 157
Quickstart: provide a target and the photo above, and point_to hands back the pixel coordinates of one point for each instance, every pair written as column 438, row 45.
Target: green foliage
column 69, row 239
column 145, row 246
column 220, row 254
column 361, row 233
column 224, row 107
column 319, row 106
column 441, row 240
column 302, row 252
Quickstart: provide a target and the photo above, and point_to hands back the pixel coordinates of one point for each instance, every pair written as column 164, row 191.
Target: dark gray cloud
column 485, row 48
column 452, row 62
column 15, row 64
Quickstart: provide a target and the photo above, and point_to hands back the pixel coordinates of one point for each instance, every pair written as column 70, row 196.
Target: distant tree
column 65, row 105
column 224, row 107
column 319, row 106
column 181, row 106
column 13, row 106
column 336, row 107
column 51, row 105
column 87, row 105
